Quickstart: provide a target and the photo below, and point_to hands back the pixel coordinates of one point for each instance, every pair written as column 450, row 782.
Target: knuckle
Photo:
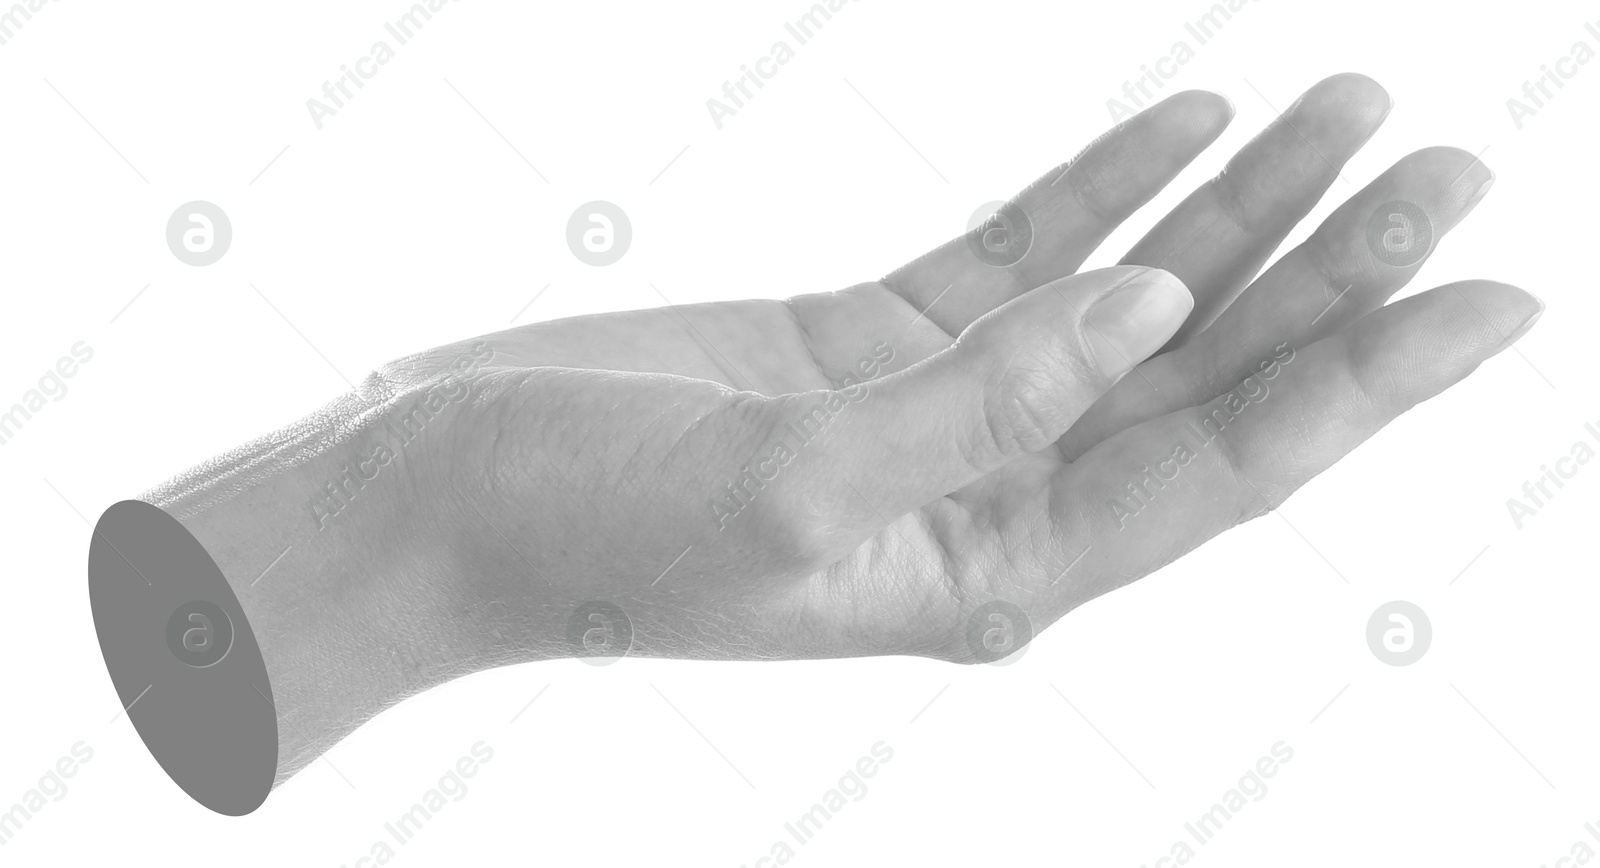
column 1341, row 260
column 1020, row 414
column 1234, row 199
column 1255, row 499
column 1084, row 177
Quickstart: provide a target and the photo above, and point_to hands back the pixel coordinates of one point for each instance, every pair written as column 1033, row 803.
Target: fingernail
column 1136, row 319
column 1232, row 109
column 1528, row 324
column 1477, row 195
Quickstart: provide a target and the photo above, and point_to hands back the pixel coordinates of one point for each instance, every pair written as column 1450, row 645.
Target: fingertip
column 1527, row 325
column 1171, row 282
column 1111, row 278
column 1134, row 318
column 1501, row 295
column 1200, row 113
column 1521, row 304
column 1446, row 182
column 1352, row 88
column 1462, row 166
column 1345, row 109
column 1508, row 311
column 1232, row 109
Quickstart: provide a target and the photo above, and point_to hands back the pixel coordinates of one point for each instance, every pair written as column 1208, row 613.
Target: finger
column 1012, row 383
column 1048, row 229
column 1219, row 237
column 1321, row 286
column 1156, row 491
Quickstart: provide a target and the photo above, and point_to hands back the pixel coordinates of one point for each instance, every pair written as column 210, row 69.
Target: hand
column 989, row 431
column 991, row 466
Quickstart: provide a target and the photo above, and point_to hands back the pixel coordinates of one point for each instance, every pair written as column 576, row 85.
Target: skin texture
column 980, row 448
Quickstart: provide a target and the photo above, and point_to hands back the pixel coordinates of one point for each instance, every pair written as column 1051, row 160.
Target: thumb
column 1012, row 384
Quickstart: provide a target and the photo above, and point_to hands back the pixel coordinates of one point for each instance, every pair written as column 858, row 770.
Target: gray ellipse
column 1399, row 633
column 599, row 233
column 203, row 221
column 599, row 633
column 210, row 723
column 997, row 630
column 199, row 633
column 1399, row 233
column 1000, row 234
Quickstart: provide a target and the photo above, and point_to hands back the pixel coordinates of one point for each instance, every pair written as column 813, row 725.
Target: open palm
column 636, row 423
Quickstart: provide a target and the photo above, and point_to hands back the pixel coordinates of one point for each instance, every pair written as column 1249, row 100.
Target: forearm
column 339, row 536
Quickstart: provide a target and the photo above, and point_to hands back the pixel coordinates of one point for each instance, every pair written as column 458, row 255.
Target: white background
column 407, row 222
